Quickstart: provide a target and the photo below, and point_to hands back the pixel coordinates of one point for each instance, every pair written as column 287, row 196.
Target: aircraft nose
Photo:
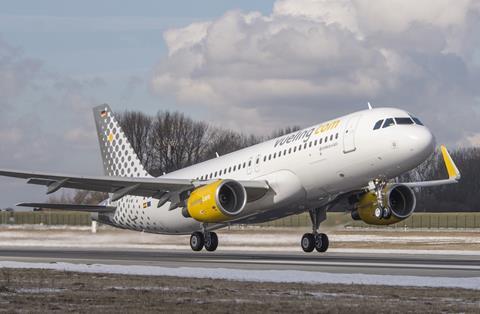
column 422, row 142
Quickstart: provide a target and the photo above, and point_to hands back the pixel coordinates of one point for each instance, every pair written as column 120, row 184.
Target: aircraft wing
column 71, row 207
column 161, row 188
column 452, row 170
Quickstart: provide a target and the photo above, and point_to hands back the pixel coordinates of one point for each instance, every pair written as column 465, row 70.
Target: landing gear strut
column 382, row 211
column 315, row 240
column 199, row 240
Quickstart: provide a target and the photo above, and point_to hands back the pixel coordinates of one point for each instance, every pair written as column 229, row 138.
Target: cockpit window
column 388, row 122
column 417, row 121
column 378, row 125
column 403, row 121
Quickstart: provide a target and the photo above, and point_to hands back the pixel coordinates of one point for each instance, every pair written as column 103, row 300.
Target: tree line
column 169, row 141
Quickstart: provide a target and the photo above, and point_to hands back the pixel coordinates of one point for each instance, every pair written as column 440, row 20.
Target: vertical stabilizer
column 119, row 158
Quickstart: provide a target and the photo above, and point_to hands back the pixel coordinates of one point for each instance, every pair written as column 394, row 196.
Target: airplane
column 353, row 159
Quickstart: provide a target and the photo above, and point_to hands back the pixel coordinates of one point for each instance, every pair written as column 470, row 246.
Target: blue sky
column 114, row 40
column 248, row 65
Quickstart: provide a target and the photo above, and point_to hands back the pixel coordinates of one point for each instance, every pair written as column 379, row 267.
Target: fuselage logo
column 305, row 135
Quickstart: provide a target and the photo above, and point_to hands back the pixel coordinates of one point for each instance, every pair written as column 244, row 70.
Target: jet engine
column 216, row 202
column 399, row 198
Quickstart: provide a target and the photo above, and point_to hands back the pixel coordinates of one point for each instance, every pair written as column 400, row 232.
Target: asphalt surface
column 384, row 264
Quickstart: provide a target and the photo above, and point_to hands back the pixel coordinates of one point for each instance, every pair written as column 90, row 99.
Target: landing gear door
column 349, row 135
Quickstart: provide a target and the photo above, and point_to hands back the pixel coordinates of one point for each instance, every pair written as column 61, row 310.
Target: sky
column 247, row 65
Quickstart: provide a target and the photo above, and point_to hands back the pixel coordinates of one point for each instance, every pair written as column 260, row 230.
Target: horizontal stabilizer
column 71, row 207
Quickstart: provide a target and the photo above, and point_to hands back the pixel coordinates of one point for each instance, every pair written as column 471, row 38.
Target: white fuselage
column 304, row 170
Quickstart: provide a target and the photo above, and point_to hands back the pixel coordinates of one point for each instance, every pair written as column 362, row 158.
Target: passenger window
column 310, row 145
column 290, row 150
column 321, row 141
column 316, row 142
column 270, row 157
column 279, row 153
column 305, row 145
column 215, row 174
column 284, row 152
column 235, row 167
column 388, row 122
column 295, row 149
column 378, row 125
column 264, row 158
column 244, row 164
column 258, row 161
column 274, row 155
column 403, row 121
column 331, row 137
column 326, row 139
column 299, row 147
column 336, row 136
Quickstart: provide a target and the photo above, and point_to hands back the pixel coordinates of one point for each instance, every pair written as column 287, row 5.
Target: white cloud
column 311, row 59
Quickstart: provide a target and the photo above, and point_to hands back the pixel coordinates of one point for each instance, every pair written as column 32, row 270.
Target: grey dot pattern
column 120, row 160
column 118, row 154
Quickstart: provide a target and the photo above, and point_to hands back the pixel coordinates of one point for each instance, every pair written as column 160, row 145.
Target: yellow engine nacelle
column 400, row 199
column 216, row 202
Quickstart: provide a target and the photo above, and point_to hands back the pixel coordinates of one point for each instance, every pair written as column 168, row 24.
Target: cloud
column 313, row 59
column 17, row 74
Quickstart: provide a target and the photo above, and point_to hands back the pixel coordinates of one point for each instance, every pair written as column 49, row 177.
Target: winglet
column 452, row 169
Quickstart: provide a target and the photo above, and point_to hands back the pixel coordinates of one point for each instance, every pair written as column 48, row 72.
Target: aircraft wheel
column 197, row 241
column 211, row 241
column 308, row 242
column 387, row 213
column 378, row 212
column 321, row 242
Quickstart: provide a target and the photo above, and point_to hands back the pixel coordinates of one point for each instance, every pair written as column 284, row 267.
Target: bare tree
column 138, row 128
column 177, row 141
column 284, row 131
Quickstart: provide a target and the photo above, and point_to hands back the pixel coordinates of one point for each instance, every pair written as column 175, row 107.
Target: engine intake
column 216, row 202
column 400, row 200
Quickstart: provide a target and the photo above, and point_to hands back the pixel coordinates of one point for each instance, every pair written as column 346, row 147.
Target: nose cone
column 422, row 142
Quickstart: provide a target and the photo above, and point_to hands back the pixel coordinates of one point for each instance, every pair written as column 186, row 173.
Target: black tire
column 197, row 241
column 308, row 242
column 323, row 241
column 211, row 242
column 318, row 242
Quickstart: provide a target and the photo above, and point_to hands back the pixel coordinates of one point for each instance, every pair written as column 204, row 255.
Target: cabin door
column 349, row 135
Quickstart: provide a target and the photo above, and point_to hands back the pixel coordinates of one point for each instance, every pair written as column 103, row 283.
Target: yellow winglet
column 452, row 169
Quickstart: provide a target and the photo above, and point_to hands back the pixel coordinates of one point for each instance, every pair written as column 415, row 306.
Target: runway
column 354, row 263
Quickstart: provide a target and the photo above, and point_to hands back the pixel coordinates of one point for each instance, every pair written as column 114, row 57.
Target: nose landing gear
column 382, row 211
column 315, row 240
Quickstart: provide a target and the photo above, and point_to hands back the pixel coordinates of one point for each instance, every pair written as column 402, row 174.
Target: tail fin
column 119, row 158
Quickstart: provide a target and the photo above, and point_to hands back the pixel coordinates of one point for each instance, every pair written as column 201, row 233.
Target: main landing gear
column 199, row 240
column 315, row 240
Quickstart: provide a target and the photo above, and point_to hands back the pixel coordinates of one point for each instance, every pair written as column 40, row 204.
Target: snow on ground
column 287, row 276
column 280, row 240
